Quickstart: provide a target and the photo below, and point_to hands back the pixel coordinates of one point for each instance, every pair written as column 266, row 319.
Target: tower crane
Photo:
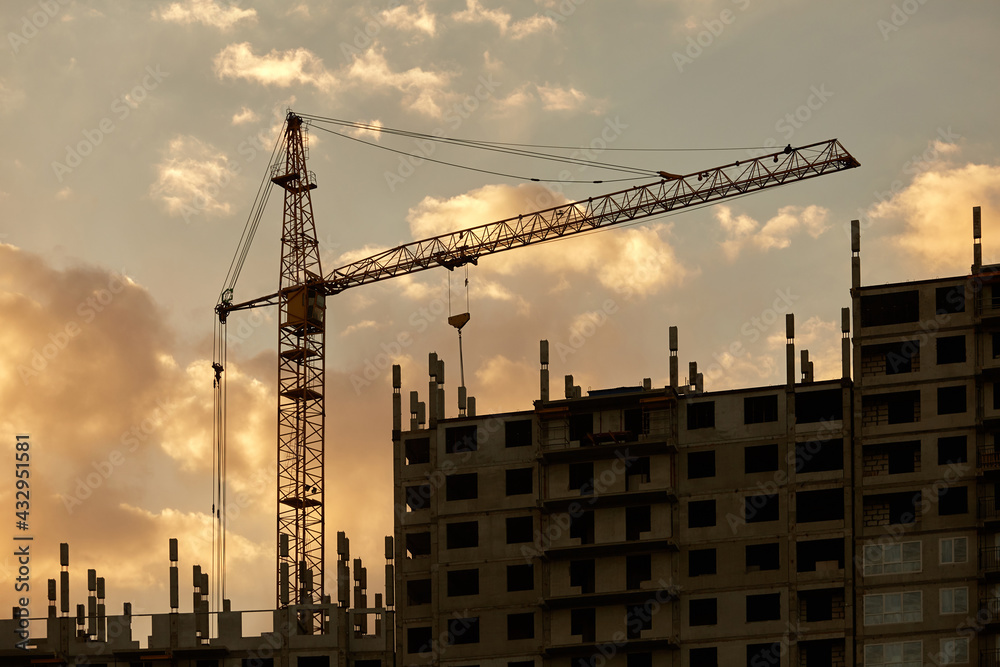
column 303, row 289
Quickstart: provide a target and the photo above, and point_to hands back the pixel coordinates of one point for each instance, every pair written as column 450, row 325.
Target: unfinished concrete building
column 810, row 524
column 349, row 635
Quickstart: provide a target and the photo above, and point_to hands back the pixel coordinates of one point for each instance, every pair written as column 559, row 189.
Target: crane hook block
column 460, row 320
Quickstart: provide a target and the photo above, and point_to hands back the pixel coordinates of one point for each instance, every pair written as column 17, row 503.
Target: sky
column 134, row 137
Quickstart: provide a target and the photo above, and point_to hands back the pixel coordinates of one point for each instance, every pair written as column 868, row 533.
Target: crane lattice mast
column 303, row 287
column 301, row 363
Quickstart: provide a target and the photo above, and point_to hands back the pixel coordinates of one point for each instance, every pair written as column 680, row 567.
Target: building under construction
column 810, row 524
column 358, row 634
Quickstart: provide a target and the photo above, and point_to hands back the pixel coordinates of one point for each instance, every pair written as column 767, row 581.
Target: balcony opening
column 463, row 582
column 462, row 535
column 760, row 458
column 638, row 520
column 520, row 529
column 701, row 415
column 878, row 310
column 820, row 555
column 519, row 481
column 418, row 640
column 953, row 500
column 462, row 487
column 701, row 513
column 952, row 449
column 764, row 655
column 762, row 508
column 891, row 508
column 707, row 656
column 418, row 591
column 461, row 439
column 950, row 299
column 763, row 607
column 417, row 450
column 583, row 622
column 638, row 618
column 701, row 464
column 760, row 409
column 638, row 473
column 463, row 630
column 701, row 562
column 520, row 577
column 637, row 570
column 632, row 419
column 581, row 575
column 825, row 604
column 819, row 406
column 521, row 626
column 518, row 433
column 890, row 358
column 582, row 527
column 951, row 350
column 418, row 544
column 822, row 505
column 702, row 612
column 418, row 497
column 762, row 557
column 951, row 400
column 819, row 456
column 581, row 478
column 581, row 426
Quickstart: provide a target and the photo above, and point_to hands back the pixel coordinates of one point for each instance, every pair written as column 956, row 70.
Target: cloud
column 206, row 12
column 632, row 261
column 555, row 98
column 742, row 230
column 64, row 194
column 373, row 130
column 404, row 18
column 423, row 91
column 190, row 177
column 244, row 115
column 278, row 68
column 10, row 98
column 474, row 12
column 937, row 203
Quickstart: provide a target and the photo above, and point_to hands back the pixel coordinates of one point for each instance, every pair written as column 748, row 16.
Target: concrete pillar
column 543, row 358
column 977, row 239
column 855, row 254
column 674, row 371
column 790, row 349
column 845, row 342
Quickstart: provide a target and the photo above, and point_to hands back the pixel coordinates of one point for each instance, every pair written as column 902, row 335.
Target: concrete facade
column 811, row 524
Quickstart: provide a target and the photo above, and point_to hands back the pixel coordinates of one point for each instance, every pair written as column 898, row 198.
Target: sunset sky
column 135, row 135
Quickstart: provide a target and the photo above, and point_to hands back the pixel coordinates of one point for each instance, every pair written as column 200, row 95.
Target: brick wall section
column 876, row 463
column 876, row 514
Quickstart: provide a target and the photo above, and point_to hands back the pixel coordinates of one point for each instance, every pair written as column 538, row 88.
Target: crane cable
column 641, row 175
column 219, row 383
